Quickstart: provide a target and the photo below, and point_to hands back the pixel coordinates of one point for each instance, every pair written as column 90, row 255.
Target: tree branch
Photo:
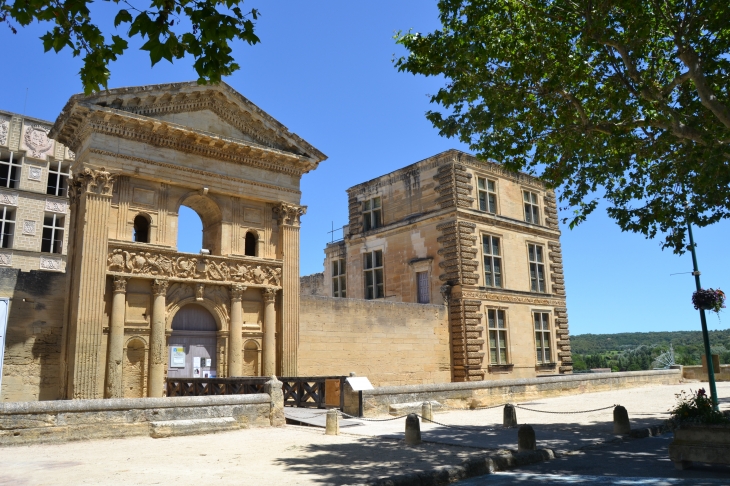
column 707, row 96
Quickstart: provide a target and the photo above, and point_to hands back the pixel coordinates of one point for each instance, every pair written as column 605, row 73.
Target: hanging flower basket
column 709, row 299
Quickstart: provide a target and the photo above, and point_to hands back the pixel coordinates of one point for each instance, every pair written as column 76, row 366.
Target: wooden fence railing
column 299, row 391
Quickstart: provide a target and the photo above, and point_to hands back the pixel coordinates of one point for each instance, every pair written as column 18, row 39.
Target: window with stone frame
column 422, row 288
column 542, row 337
column 487, row 192
column 339, row 278
column 532, row 207
column 372, row 214
column 58, row 173
column 492, row 257
column 535, row 255
column 7, row 226
column 10, row 166
column 52, row 241
column 373, row 268
column 497, row 337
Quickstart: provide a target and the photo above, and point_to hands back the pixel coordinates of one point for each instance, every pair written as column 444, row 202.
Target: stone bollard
column 333, row 422
column 510, row 416
column 276, row 412
column 621, row 424
column 413, row 430
column 427, row 411
column 526, row 439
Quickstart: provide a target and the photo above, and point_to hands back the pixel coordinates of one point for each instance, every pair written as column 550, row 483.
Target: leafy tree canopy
column 625, row 99
column 172, row 29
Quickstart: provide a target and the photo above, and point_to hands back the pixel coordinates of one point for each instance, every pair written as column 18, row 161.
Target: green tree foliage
column 624, row 99
column 172, row 29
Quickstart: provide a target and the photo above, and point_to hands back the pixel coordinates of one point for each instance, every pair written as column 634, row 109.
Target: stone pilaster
column 269, row 344
column 90, row 192
column 115, row 348
column 235, row 341
column 557, row 284
column 158, row 348
column 289, row 219
column 467, row 340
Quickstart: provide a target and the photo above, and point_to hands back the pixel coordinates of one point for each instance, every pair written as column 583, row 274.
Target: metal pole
column 705, row 335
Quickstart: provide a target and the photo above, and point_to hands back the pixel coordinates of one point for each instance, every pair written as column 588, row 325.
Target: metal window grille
column 10, row 166
column 57, row 179
column 487, row 190
column 492, row 261
column 7, row 227
column 372, row 214
column 542, row 336
column 532, row 208
column 537, row 268
column 339, row 279
column 497, row 337
column 373, row 265
column 52, row 241
column 424, row 296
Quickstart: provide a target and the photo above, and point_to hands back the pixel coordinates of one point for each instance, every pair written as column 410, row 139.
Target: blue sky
column 324, row 69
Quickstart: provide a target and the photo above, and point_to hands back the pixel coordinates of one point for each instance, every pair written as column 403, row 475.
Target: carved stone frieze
column 289, row 214
column 36, row 141
column 51, row 264
column 9, row 198
column 143, row 262
column 4, row 129
column 508, row 298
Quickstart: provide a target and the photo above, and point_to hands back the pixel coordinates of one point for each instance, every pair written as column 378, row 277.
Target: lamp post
column 705, row 336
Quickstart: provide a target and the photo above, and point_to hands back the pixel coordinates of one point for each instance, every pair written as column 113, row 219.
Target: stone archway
column 192, row 344
column 251, row 358
column 210, row 215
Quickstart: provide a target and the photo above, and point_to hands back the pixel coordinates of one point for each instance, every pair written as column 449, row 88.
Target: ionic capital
column 269, row 295
column 237, row 291
column 120, row 284
column 289, row 214
column 90, row 181
column 159, row 286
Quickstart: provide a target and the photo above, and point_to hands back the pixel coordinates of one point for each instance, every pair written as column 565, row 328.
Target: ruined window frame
column 55, row 231
column 11, row 180
column 531, row 203
column 7, row 226
column 339, row 278
column 483, row 195
column 373, row 275
column 498, row 335
column 60, row 187
column 543, row 334
column 491, row 257
column 536, row 268
column 372, row 213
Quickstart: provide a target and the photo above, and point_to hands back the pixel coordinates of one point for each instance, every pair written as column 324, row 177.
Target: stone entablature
column 142, row 261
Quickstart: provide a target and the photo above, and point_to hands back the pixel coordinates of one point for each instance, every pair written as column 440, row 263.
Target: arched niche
column 141, row 228
column 134, row 369
column 250, row 247
column 219, row 315
column 251, row 358
column 211, row 216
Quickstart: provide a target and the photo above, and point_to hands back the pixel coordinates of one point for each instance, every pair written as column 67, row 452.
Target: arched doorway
column 192, row 344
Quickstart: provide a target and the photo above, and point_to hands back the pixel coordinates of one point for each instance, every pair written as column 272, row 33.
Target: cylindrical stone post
column 427, row 411
column 510, row 416
column 333, row 422
column 269, row 345
column 115, row 352
column 413, row 429
column 526, row 439
column 621, row 424
column 235, row 338
column 156, row 382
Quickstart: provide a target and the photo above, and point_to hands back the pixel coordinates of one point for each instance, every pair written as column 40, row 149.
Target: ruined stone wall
column 32, row 365
column 313, row 285
column 390, row 343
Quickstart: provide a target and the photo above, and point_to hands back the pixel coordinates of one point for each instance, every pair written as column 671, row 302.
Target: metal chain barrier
column 472, row 409
column 347, row 415
column 564, row 413
column 462, row 427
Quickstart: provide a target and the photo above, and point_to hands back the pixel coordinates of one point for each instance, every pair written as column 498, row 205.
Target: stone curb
column 477, row 466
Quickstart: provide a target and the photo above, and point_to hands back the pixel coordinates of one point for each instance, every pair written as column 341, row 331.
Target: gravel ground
column 304, row 455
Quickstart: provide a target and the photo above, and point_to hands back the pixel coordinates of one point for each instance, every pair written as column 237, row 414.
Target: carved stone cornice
column 129, row 259
column 289, row 214
column 510, row 224
column 507, row 298
column 269, row 295
column 90, row 181
column 237, row 291
column 120, row 284
column 159, row 286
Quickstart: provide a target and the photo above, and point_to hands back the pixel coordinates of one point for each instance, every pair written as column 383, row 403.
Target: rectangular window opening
column 52, row 240
column 487, row 190
column 57, row 178
column 492, row 261
column 497, row 337
column 339, row 278
column 7, row 226
column 373, row 269
column 424, row 296
column 542, row 337
column 532, row 208
column 10, row 165
column 537, row 268
column 372, row 214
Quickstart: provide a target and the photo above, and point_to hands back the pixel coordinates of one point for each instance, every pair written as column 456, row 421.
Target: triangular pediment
column 216, row 110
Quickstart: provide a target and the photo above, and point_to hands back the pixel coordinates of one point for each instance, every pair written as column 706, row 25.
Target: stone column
column 289, row 219
column 115, row 348
column 158, row 351
column 269, row 344
column 235, row 338
column 90, row 194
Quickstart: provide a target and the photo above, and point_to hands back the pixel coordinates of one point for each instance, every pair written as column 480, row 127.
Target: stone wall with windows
column 390, row 343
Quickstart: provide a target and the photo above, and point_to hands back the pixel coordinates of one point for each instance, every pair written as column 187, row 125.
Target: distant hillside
column 602, row 343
